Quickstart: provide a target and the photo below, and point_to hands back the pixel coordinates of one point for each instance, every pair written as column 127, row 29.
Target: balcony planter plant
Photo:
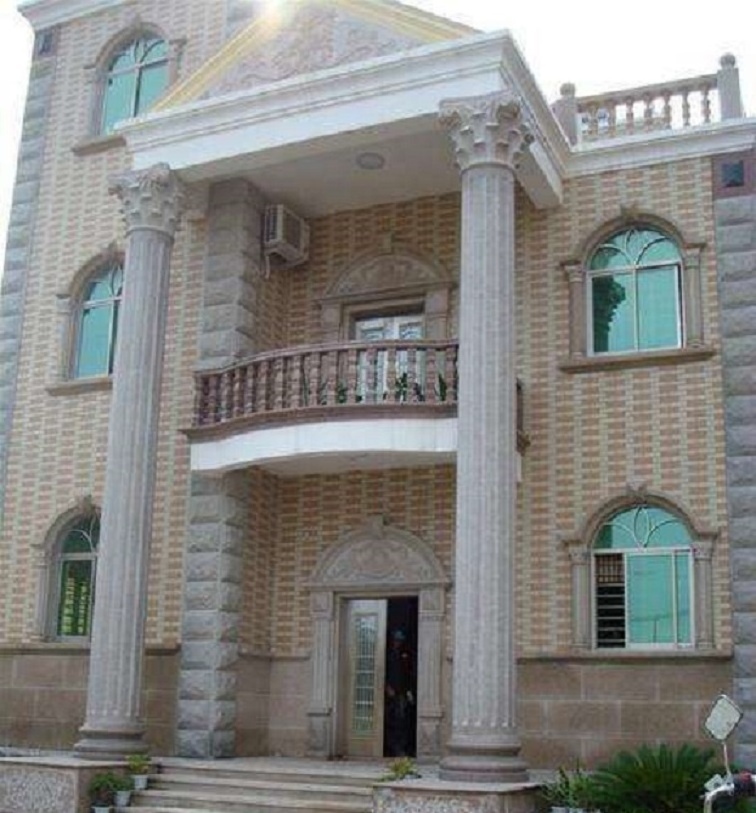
column 102, row 791
column 123, row 788
column 139, row 768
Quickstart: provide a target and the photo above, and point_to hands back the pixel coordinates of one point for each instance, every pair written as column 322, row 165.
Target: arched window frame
column 73, row 303
column 98, row 74
column 692, row 346
column 52, row 561
column 580, row 549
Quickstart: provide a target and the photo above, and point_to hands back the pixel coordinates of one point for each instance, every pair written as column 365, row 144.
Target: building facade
column 324, row 335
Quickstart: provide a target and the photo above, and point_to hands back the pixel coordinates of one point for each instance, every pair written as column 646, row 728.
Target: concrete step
column 242, row 785
column 247, row 802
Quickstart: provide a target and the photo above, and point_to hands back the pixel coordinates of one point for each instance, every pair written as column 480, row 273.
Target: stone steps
column 252, row 786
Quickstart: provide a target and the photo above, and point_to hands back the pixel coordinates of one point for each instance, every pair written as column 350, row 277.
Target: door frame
column 376, row 561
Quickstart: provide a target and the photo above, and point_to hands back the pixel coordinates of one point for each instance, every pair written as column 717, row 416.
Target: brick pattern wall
column 592, row 434
column 56, row 454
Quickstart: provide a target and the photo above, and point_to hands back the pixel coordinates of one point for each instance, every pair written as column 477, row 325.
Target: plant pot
column 122, row 798
column 140, row 781
column 102, row 809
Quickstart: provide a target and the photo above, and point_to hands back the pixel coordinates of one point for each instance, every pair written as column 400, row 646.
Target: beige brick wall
column 591, row 434
column 58, row 443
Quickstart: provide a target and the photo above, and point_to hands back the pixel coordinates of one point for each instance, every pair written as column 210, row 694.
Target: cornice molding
column 44, row 14
column 628, row 152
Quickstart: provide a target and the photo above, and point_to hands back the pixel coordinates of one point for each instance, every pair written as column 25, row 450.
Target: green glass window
column 98, row 324
column 136, row 77
column 635, row 293
column 76, row 565
column 643, row 580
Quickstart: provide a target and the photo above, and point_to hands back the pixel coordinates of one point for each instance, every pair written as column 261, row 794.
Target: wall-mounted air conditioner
column 286, row 236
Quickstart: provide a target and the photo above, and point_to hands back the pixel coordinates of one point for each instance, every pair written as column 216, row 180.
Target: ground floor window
column 643, row 580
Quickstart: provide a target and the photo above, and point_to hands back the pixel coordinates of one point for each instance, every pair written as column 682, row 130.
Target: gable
column 305, row 36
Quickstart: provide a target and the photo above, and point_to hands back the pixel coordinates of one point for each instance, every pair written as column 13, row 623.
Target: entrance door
column 364, row 653
column 379, row 675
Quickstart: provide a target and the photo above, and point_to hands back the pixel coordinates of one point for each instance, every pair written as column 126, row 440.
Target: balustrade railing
column 329, row 376
column 671, row 105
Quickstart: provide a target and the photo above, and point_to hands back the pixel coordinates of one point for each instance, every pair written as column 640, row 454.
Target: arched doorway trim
column 378, row 560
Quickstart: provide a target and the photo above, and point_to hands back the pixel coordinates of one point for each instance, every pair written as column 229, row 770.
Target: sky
column 596, row 44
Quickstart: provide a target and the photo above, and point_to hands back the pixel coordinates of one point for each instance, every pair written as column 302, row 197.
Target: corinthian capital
column 486, row 129
column 150, row 198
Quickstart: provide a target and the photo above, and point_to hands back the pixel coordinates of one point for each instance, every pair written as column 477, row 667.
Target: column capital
column 150, row 198
column 486, row 129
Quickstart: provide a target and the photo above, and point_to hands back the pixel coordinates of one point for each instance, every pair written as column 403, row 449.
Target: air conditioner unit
column 286, row 236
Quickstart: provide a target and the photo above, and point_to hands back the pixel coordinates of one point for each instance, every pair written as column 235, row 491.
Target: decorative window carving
column 635, row 297
column 642, row 578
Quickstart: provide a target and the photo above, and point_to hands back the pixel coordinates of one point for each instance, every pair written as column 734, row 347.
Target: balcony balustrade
column 324, row 382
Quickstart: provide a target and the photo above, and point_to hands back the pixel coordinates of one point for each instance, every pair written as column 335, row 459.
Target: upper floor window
column 97, row 325
column 635, row 296
column 136, row 76
column 75, row 566
column 643, row 580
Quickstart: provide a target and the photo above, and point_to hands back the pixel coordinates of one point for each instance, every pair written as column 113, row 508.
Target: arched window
column 97, row 323
column 643, row 580
column 136, row 76
column 635, row 296
column 75, row 568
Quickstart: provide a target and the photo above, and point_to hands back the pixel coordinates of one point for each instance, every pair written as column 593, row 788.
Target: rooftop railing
column 671, row 105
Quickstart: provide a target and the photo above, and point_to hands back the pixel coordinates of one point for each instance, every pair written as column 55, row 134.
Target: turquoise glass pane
column 658, row 308
column 152, row 82
column 650, row 601
column 76, row 588
column 94, row 342
column 153, row 50
column 615, row 535
column 667, row 531
column 118, row 103
column 123, row 60
column 684, row 626
column 607, row 257
column 613, row 313
column 659, row 249
column 107, row 285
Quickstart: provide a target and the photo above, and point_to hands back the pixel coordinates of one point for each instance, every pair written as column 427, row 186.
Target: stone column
column 488, row 135
column 114, row 726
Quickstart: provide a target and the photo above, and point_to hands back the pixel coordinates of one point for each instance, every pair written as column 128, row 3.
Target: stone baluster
column 489, row 135
column 151, row 202
column 566, row 112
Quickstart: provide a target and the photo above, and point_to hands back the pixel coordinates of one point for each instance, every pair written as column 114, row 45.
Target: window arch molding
column 575, row 269
column 580, row 549
column 71, row 301
column 49, row 566
column 391, row 276
column 99, row 69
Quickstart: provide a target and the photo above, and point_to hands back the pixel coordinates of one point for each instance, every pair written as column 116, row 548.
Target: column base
column 108, row 744
column 468, row 763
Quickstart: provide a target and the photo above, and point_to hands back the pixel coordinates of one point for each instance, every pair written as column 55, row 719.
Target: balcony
column 330, row 407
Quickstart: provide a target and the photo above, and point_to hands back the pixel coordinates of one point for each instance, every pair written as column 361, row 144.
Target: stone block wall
column 43, row 697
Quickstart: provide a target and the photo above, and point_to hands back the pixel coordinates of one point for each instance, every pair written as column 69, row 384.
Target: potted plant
column 123, row 787
column 139, row 768
column 102, row 791
column 570, row 791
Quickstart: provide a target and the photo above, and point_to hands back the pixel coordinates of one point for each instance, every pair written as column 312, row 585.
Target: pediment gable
column 305, row 36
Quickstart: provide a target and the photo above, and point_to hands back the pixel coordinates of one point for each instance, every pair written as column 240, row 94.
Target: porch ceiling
column 298, row 139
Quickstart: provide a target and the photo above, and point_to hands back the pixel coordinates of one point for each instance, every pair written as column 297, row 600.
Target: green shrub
column 653, row 780
column 574, row 789
column 102, row 788
column 138, row 763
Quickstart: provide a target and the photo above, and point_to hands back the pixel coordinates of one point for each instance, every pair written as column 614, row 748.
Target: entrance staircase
column 259, row 785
